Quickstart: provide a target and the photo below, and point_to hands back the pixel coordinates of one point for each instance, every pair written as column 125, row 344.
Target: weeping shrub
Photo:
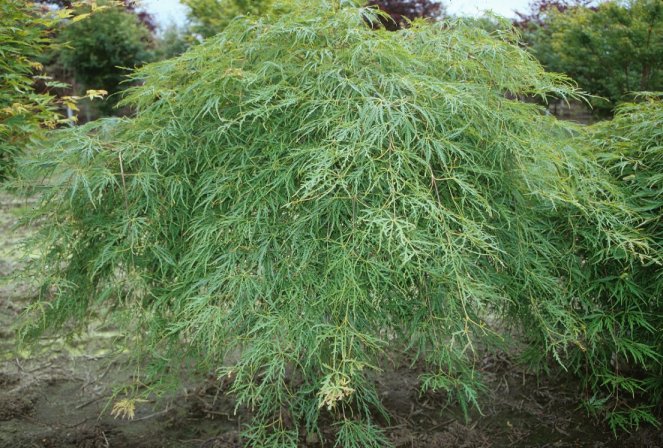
column 300, row 195
column 623, row 307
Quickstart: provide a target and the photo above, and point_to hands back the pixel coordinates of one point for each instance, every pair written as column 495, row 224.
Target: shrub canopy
column 301, row 194
column 624, row 317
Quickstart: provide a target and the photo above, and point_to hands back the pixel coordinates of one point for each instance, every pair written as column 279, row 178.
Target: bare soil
column 58, row 395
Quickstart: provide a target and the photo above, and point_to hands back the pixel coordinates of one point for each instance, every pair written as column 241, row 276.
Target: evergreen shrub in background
column 300, row 196
column 98, row 52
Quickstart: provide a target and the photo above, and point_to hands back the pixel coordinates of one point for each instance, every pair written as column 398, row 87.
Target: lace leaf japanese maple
column 301, row 194
column 623, row 368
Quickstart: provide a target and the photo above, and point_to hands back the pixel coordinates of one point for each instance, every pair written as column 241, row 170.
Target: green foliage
column 210, row 17
column 353, row 434
column 23, row 111
column 173, row 41
column 611, row 50
column 99, row 50
column 301, row 194
column 623, row 366
column 491, row 23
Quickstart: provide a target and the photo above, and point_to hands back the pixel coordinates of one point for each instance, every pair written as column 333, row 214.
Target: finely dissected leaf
column 625, row 364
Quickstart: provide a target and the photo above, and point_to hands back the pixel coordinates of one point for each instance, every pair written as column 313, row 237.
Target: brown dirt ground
column 57, row 396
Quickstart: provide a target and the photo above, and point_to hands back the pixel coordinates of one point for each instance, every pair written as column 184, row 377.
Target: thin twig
column 156, row 414
column 124, row 184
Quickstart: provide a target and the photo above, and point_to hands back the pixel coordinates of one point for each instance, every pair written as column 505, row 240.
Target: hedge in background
column 301, row 194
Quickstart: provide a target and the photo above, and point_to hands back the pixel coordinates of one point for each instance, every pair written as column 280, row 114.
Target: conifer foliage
column 301, row 194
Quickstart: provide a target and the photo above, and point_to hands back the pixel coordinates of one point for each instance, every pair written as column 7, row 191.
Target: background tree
column 210, row 17
column 401, row 12
column 171, row 42
column 129, row 5
column 23, row 111
column 611, row 50
column 98, row 52
column 540, row 10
